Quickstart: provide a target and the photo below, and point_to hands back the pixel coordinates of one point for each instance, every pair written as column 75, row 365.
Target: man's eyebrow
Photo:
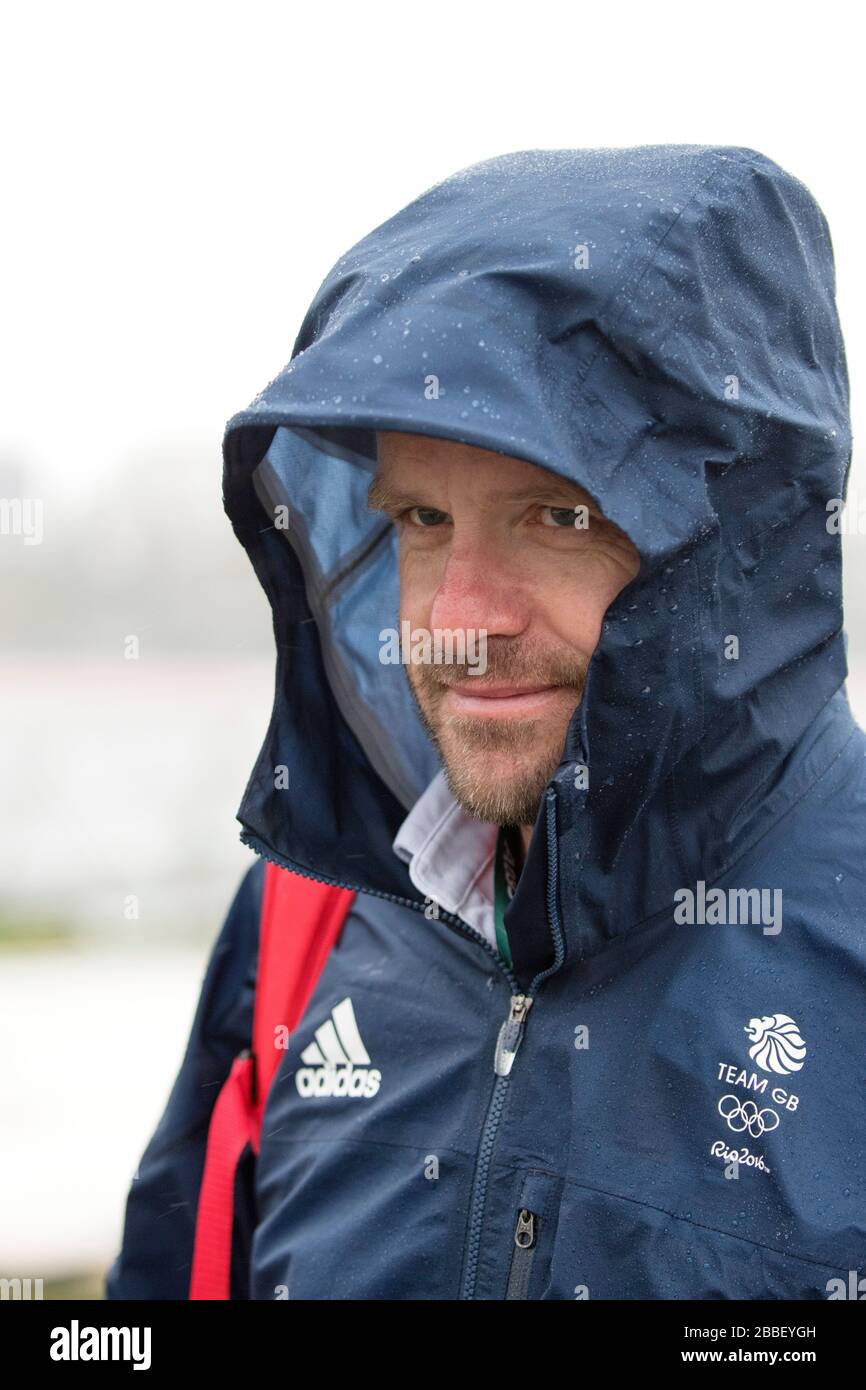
column 381, row 496
column 557, row 487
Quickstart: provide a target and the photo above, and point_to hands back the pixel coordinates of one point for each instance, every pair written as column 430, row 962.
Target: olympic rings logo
column 742, row 1115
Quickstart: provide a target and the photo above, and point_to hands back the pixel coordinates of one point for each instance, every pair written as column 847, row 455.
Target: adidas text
column 338, row 1081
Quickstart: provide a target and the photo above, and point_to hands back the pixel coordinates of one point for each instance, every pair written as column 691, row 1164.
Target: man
column 586, row 411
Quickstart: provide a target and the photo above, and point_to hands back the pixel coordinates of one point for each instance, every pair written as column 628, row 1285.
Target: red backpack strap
column 300, row 921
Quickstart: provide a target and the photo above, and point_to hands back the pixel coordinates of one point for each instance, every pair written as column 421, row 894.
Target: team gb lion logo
column 776, row 1043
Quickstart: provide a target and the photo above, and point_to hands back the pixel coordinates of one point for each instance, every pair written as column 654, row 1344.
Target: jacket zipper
column 510, row 1033
column 525, row 1242
column 507, row 1043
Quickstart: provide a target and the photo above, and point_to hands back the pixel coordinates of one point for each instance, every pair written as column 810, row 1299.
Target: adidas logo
column 337, row 1064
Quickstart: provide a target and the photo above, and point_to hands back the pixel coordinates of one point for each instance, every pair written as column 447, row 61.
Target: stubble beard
column 497, row 768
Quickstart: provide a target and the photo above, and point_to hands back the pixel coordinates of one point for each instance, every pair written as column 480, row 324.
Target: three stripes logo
column 337, row 1063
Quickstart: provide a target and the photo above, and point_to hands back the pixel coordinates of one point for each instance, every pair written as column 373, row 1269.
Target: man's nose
column 478, row 590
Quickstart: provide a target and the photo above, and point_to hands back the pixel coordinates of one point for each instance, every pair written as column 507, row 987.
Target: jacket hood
column 657, row 324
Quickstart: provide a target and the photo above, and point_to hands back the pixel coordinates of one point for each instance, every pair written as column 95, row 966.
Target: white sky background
column 178, row 179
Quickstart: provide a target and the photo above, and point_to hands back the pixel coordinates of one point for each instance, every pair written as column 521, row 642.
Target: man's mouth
column 496, row 701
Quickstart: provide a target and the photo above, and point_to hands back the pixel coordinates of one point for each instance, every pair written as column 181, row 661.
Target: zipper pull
column 511, row 1034
column 524, row 1236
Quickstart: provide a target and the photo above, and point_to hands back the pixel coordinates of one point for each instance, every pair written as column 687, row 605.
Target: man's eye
column 424, row 516
column 558, row 516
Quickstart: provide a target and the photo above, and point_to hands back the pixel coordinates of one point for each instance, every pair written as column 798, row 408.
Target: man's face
column 496, row 545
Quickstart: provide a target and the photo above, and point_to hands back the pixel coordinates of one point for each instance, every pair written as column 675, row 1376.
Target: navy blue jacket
column 678, row 1112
